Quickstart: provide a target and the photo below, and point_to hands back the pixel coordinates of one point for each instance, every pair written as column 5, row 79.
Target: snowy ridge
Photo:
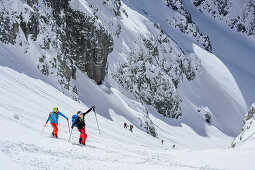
column 221, row 95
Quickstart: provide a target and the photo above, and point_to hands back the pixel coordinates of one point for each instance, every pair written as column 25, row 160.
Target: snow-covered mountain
column 178, row 70
column 26, row 101
column 79, row 35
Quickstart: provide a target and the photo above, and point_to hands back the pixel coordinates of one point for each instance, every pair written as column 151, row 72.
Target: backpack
column 73, row 119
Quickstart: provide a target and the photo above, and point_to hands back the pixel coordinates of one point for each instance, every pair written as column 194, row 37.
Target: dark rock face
column 30, row 27
column 250, row 114
column 8, row 32
column 150, row 128
column 77, row 38
column 113, row 5
column 82, row 40
column 197, row 2
column 177, row 6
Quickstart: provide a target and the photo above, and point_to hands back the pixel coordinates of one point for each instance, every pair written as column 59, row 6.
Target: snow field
column 24, row 107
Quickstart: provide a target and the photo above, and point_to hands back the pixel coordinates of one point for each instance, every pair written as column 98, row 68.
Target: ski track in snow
column 43, row 157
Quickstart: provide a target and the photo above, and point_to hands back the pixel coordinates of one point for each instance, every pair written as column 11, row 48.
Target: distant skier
column 131, row 128
column 162, row 141
column 173, row 146
column 53, row 118
column 125, row 125
column 79, row 122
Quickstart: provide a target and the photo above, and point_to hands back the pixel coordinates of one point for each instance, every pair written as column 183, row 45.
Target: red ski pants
column 83, row 135
column 55, row 129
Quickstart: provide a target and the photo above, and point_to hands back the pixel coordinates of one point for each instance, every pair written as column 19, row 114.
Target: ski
column 78, row 144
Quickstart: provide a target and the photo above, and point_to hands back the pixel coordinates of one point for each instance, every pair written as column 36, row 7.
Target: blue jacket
column 53, row 117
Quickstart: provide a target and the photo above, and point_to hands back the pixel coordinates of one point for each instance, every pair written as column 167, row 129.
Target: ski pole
column 43, row 128
column 70, row 135
column 96, row 120
column 45, row 124
column 68, row 125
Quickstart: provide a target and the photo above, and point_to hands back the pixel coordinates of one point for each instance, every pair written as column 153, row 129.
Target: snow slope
column 26, row 101
column 234, row 50
column 226, row 81
column 214, row 91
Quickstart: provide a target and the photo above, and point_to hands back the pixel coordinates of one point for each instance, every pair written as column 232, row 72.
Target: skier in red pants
column 79, row 122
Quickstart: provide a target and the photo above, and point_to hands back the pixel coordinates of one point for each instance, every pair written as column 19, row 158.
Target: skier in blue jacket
column 53, row 118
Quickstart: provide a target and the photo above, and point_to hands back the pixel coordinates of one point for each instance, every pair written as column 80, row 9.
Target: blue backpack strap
column 51, row 115
column 73, row 119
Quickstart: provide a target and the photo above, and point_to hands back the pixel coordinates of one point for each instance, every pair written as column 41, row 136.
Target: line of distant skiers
column 162, row 142
column 78, row 120
column 130, row 127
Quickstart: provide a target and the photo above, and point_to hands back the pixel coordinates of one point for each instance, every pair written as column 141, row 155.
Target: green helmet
column 55, row 109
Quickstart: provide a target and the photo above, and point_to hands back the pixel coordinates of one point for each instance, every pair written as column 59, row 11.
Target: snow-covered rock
column 247, row 136
column 238, row 15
